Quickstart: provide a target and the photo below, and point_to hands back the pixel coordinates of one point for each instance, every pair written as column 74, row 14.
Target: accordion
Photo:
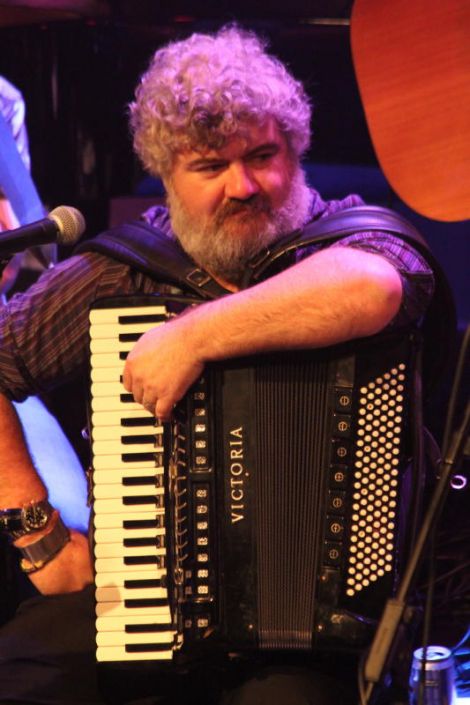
column 269, row 514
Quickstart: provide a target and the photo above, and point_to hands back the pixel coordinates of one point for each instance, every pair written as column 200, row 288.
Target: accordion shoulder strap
column 335, row 226
column 149, row 250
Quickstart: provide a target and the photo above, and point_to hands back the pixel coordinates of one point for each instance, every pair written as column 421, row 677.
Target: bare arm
column 20, row 484
column 335, row 295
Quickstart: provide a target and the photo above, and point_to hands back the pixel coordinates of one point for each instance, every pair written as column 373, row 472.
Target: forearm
column 338, row 294
column 20, row 484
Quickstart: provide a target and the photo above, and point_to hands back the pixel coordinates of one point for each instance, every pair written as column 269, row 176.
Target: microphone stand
column 390, row 621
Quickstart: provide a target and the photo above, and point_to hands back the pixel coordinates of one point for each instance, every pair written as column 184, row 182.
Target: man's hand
column 163, row 364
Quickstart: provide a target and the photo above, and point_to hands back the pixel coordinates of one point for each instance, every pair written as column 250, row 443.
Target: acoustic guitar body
column 412, row 62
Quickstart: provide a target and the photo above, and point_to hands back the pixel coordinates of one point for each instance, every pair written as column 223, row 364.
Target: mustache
column 256, row 204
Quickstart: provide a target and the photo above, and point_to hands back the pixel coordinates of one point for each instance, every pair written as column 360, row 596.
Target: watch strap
column 36, row 555
column 10, row 521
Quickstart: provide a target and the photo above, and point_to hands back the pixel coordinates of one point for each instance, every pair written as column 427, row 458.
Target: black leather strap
column 333, row 227
column 151, row 251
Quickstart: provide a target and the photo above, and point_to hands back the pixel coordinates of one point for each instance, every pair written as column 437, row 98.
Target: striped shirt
column 44, row 331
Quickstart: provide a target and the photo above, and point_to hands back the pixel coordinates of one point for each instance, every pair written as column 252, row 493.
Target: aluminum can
column 439, row 677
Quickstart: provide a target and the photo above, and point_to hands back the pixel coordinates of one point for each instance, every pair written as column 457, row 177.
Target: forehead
column 250, row 136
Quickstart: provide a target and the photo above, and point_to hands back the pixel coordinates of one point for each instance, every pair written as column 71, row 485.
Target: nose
column 240, row 183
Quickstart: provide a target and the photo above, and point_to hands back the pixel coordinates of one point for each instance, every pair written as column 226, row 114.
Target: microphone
column 63, row 225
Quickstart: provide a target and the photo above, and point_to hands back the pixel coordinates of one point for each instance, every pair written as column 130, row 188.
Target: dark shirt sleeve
column 44, row 331
column 416, row 275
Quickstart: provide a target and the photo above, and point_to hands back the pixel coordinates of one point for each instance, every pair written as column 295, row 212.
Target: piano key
column 114, row 550
column 127, row 478
column 129, row 573
column 116, row 462
column 134, row 624
column 115, row 534
column 113, row 388
column 106, row 345
column 127, row 419
column 147, row 426
column 123, row 638
column 111, row 491
column 119, row 653
column 114, row 593
column 107, row 331
column 150, row 518
column 107, row 359
column 116, row 315
column 129, row 506
column 108, row 373
column 118, row 609
column 110, row 447
column 110, row 403
column 110, row 472
column 117, row 563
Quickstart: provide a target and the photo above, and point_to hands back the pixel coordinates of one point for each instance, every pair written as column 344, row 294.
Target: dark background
column 77, row 68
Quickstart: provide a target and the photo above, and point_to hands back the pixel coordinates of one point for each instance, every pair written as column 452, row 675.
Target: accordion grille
column 291, row 431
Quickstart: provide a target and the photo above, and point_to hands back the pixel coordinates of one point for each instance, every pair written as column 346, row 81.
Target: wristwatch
column 25, row 520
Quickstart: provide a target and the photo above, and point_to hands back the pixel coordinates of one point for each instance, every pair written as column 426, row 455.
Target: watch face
column 35, row 516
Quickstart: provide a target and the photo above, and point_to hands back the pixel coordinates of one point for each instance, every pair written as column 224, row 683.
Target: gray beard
column 217, row 246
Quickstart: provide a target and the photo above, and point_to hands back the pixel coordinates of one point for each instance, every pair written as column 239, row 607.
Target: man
column 228, row 149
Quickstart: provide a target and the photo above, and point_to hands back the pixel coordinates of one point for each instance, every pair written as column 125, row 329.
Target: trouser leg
column 47, row 652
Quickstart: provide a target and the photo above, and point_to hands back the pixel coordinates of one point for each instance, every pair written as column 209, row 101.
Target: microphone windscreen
column 70, row 222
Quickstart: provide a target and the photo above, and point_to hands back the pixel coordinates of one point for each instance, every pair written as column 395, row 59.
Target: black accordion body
column 269, row 515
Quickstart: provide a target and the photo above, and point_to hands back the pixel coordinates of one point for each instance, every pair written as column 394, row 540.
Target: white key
column 108, row 345
column 118, row 653
column 117, row 431
column 117, row 505
column 108, row 462
column 116, row 519
column 117, row 623
column 118, row 476
column 114, row 550
column 118, row 490
column 118, row 578
column 117, row 639
column 109, row 373
column 104, row 389
column 115, row 404
column 110, row 332
column 113, row 315
column 118, row 534
column 115, row 593
column 118, row 609
column 111, row 417
column 110, row 447
column 116, row 563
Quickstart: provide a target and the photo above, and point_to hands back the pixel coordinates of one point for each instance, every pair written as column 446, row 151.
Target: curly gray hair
column 200, row 91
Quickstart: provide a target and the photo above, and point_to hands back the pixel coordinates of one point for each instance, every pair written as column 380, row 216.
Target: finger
column 127, row 378
column 164, row 409
column 149, row 406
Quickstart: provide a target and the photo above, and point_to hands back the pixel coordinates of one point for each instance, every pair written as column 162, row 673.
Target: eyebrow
column 208, row 161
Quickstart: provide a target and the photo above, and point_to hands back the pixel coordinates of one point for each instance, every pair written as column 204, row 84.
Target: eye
column 210, row 167
column 262, row 158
